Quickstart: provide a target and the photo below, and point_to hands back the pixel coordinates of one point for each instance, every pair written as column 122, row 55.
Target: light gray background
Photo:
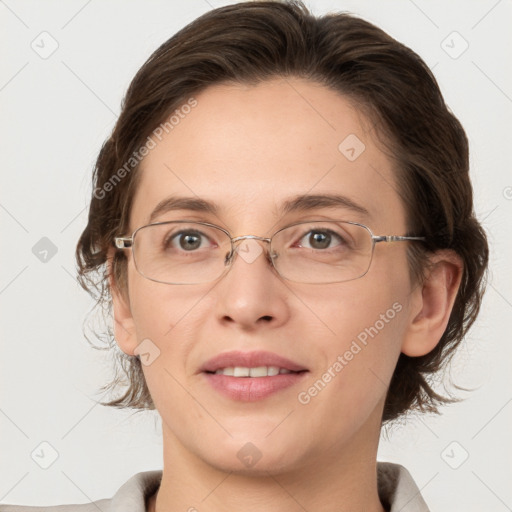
column 57, row 111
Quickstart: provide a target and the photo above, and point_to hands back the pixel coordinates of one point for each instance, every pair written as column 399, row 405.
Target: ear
column 432, row 303
column 124, row 326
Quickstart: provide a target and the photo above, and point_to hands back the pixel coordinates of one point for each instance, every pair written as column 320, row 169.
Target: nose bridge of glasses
column 236, row 241
column 252, row 237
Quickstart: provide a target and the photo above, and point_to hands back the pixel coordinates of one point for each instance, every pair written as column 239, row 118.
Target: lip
column 251, row 389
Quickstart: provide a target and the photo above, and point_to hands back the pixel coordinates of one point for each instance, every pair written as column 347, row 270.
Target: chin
column 252, row 461
column 252, row 451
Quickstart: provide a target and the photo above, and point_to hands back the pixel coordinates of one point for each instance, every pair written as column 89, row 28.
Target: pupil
column 321, row 240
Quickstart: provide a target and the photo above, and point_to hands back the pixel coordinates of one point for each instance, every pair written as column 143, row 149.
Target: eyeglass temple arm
column 396, row 238
column 123, row 242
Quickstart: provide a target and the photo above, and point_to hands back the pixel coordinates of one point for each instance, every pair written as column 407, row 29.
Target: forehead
column 250, row 149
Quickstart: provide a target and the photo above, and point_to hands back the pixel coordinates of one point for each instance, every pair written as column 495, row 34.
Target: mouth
column 251, row 376
column 257, row 372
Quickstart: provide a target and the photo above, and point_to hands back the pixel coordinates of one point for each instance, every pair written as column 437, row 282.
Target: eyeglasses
column 315, row 252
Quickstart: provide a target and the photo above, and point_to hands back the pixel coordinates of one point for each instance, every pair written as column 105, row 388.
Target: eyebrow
column 296, row 204
column 183, row 203
column 307, row 202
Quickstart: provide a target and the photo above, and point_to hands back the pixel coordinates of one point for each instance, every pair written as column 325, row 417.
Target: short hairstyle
column 248, row 43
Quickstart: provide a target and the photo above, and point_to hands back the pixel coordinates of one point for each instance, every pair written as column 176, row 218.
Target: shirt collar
column 396, row 489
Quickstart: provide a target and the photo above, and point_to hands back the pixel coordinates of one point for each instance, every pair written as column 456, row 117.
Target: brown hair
column 253, row 41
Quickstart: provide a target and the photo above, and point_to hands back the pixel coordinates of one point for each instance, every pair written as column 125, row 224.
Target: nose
column 251, row 294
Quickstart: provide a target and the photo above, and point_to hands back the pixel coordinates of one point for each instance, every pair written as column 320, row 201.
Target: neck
column 343, row 480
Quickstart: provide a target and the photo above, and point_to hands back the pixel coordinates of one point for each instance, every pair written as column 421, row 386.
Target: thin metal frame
column 121, row 242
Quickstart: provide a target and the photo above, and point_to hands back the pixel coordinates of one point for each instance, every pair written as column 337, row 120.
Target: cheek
column 365, row 333
column 158, row 308
column 171, row 318
column 357, row 363
column 365, row 323
column 371, row 308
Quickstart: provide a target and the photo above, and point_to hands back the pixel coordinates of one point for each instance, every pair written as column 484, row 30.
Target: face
column 248, row 149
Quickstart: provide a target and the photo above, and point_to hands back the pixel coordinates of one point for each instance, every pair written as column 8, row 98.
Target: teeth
column 259, row 371
column 272, row 370
column 240, row 371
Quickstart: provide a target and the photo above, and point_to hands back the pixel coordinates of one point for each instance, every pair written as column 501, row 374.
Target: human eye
column 321, row 238
column 187, row 239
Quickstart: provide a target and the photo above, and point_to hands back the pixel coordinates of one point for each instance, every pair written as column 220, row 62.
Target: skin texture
column 249, row 148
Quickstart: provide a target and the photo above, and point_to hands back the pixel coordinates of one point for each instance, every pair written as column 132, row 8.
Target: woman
column 283, row 221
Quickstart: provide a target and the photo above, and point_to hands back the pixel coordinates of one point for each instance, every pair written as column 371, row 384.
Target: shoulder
column 398, row 490
column 130, row 496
